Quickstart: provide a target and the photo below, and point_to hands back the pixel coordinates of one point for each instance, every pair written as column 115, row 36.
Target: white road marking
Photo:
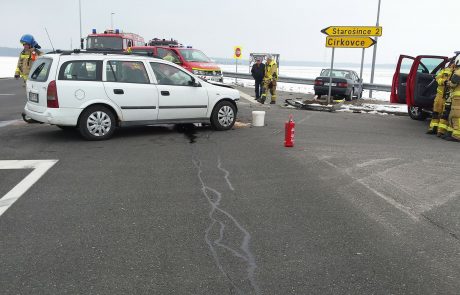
column 7, row 123
column 40, row 167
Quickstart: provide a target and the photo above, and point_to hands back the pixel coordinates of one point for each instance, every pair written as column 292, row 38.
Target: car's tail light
column 52, row 96
column 319, row 83
column 342, row 84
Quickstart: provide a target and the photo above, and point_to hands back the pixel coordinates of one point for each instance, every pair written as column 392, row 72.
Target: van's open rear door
column 421, row 84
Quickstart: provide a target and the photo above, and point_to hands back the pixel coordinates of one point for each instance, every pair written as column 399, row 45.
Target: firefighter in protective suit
column 27, row 57
column 438, row 106
column 454, row 117
column 269, row 81
column 444, row 129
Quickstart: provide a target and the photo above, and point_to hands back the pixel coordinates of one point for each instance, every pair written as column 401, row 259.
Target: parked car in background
column 345, row 84
column 414, row 83
column 97, row 92
column 193, row 60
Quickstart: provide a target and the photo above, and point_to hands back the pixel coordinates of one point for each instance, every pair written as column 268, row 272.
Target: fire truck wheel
column 223, row 116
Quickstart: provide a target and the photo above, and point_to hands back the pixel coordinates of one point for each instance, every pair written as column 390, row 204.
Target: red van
column 414, row 83
column 191, row 59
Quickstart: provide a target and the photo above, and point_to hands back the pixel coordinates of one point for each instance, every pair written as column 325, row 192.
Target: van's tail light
column 319, row 83
column 342, row 84
column 52, row 96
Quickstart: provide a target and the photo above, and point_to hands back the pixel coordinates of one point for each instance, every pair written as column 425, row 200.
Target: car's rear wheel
column 416, row 113
column 97, row 123
column 223, row 116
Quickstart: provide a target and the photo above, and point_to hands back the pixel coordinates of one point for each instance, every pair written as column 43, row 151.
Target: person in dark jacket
column 258, row 72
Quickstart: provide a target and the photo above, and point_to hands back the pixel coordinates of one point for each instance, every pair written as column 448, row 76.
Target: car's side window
column 126, row 72
column 81, row 70
column 170, row 75
column 40, row 70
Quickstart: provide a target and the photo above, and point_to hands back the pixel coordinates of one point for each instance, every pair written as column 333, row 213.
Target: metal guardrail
column 305, row 81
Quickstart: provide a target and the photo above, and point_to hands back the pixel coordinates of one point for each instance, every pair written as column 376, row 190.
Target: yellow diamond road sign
column 352, row 31
column 349, row 42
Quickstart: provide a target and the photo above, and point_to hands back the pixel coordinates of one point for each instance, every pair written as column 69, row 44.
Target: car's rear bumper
column 324, row 90
column 60, row 116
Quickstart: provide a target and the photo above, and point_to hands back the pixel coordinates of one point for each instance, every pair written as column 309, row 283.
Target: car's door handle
column 165, row 93
column 118, row 91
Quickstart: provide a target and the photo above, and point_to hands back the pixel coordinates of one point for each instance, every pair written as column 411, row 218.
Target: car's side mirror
column 194, row 83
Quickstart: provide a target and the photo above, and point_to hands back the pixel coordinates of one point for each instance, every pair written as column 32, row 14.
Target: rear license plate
column 332, row 84
column 33, row 97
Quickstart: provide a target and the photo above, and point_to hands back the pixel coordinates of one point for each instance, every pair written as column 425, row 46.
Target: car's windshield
column 336, row 73
column 104, row 43
column 194, row 55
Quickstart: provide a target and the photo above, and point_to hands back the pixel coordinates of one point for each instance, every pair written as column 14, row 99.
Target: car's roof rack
column 104, row 52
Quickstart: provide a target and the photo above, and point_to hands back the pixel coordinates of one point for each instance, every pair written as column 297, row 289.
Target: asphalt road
column 362, row 204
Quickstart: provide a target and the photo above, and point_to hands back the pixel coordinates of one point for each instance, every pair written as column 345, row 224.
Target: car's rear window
column 81, row 70
column 336, row 73
column 40, row 69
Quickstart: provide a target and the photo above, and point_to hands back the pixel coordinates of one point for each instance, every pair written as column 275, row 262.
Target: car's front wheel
column 97, row 123
column 416, row 113
column 223, row 116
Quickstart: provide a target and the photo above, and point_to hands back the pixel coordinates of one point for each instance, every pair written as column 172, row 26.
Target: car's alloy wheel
column 223, row 116
column 97, row 123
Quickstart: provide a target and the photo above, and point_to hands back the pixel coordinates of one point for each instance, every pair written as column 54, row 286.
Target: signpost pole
column 375, row 52
column 236, row 65
column 361, row 75
column 330, row 77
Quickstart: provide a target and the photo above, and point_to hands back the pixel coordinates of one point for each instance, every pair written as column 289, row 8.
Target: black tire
column 223, row 116
column 416, row 113
column 97, row 123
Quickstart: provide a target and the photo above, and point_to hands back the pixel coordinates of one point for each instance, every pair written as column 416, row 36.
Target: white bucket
column 258, row 118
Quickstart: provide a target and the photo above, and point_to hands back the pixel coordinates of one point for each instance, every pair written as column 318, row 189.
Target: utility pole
column 375, row 51
column 79, row 9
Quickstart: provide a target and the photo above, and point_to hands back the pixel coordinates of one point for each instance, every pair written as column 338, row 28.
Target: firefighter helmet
column 29, row 39
column 457, row 61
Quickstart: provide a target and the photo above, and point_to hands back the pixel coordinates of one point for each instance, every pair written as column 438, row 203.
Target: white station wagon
column 98, row 92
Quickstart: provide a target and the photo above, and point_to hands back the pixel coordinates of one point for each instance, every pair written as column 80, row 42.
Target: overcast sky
column 291, row 28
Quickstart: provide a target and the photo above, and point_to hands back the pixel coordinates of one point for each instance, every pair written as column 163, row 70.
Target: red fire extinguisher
column 289, row 128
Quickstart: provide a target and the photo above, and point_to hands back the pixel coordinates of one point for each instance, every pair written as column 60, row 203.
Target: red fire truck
column 113, row 40
column 191, row 59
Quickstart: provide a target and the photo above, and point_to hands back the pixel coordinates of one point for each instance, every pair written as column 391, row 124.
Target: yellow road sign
column 349, row 42
column 237, row 52
column 352, row 31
